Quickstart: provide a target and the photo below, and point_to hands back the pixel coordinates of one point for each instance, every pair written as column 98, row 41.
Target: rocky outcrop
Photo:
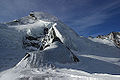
column 41, row 43
column 113, row 37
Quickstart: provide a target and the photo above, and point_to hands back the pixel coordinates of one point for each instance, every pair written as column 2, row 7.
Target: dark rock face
column 33, row 43
column 32, row 15
column 39, row 42
column 113, row 36
column 30, row 41
column 75, row 59
column 31, row 38
column 45, row 31
column 56, row 39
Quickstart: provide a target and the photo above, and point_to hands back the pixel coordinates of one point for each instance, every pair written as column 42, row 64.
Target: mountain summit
column 43, row 35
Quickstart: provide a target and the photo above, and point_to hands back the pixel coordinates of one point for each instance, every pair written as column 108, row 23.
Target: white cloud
column 91, row 20
column 96, row 16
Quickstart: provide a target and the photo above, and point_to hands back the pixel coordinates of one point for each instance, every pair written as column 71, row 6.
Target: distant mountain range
column 113, row 37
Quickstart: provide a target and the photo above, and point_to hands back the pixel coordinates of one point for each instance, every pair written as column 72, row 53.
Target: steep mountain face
column 113, row 37
column 40, row 40
column 38, row 34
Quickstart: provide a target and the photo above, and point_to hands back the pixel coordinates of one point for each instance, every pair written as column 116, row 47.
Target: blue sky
column 86, row 17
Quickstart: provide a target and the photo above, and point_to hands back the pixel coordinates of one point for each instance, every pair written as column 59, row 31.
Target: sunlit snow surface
column 53, row 74
column 99, row 59
column 103, row 41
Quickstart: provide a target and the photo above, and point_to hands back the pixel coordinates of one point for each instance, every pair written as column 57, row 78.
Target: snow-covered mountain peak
column 43, row 16
column 47, row 42
column 113, row 37
column 33, row 17
column 43, row 35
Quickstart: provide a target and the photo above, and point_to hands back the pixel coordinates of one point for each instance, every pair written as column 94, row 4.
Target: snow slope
column 102, row 41
column 54, row 74
column 10, row 47
column 45, row 48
